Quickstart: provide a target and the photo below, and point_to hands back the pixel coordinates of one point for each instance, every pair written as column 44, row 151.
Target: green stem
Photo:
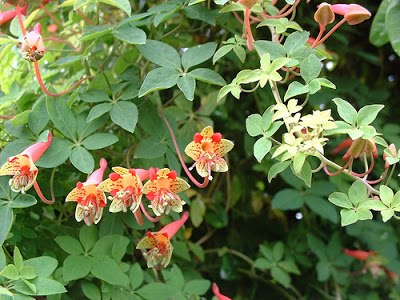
column 390, row 174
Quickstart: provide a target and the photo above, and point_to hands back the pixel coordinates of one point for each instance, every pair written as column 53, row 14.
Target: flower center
column 207, row 146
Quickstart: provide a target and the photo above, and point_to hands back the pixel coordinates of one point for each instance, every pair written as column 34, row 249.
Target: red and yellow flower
column 22, row 166
column 91, row 200
column 159, row 244
column 207, row 149
column 162, row 189
column 125, row 188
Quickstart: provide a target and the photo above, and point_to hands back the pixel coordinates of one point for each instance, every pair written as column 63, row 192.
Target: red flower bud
column 324, row 14
column 32, row 46
column 353, row 13
column 359, row 254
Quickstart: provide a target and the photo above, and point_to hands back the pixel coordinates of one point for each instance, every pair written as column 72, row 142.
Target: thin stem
column 237, row 17
column 45, row 90
column 331, row 31
column 340, row 170
column 138, row 217
column 41, row 196
column 321, row 31
column 198, row 184
column 390, row 175
column 151, row 219
column 61, row 41
column 248, row 27
column 206, row 237
column 7, row 117
column 21, row 23
column 250, row 91
column 321, row 166
column 228, row 187
column 50, row 15
column 369, row 169
column 85, row 17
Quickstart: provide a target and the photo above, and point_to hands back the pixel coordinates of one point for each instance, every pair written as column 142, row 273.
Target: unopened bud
column 248, row 3
column 392, row 149
column 353, row 13
column 324, row 14
column 33, row 48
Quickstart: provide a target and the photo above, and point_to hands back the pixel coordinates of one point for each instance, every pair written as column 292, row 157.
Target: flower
column 125, row 188
column 159, row 244
column 32, row 46
column 324, row 14
column 360, row 146
column 22, row 166
column 162, row 189
column 353, row 13
column 217, row 294
column 91, row 200
column 207, row 150
column 359, row 254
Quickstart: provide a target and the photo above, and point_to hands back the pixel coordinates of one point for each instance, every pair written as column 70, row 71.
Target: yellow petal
column 15, row 163
column 178, row 185
column 201, row 168
column 117, row 205
column 163, row 172
column 194, row 150
column 97, row 215
column 207, row 132
column 219, row 166
column 223, row 147
column 121, row 171
column 80, row 213
column 150, row 186
column 108, row 185
column 147, row 243
column 75, row 194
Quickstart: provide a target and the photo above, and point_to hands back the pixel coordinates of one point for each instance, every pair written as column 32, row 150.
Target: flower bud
column 353, row 13
column 33, row 48
column 248, row 3
column 324, row 14
column 392, row 149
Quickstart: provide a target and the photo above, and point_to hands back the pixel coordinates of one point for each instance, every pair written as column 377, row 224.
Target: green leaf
column 287, row 199
column 76, row 267
column 326, row 83
column 18, row 260
column 298, row 162
column 278, row 251
column 104, row 246
column 6, row 220
column 47, row 286
column 119, row 249
column 38, row 118
column 91, row 290
column 62, row 117
column 393, row 24
column 253, row 125
column 289, row 266
column 28, row 272
column 165, row 56
column 281, row 276
column 208, row 76
column 121, row 4
column 295, row 40
column 240, row 53
column 3, row 261
column 387, row 214
column 374, row 205
column 349, row 216
column 346, row 111
column 364, row 214
column 125, row 114
column 94, row 96
column 187, row 85
column 367, row 114
column 261, row 148
column 322, row 208
column 276, row 50
column 202, row 13
column 69, row 245
column 197, row 286
column 262, row 263
column 22, row 201
column 278, row 168
column 197, row 211
column 174, row 277
column 82, row 159
column 150, row 148
column 94, row 32
column 386, row 195
column 136, row 276
column 44, row 265
column 156, row 291
column 198, row 54
column 99, row 141
column 130, row 35
column 357, row 192
column 323, row 270
column 222, row 52
column 10, row 272
column 88, row 237
column 57, row 153
column 378, row 35
column 198, row 251
column 316, row 246
column 21, row 118
column 98, row 111
column 310, row 68
column 107, row 269
column 340, row 199
column 159, row 79
column 305, row 174
column 85, row 128
column 294, row 89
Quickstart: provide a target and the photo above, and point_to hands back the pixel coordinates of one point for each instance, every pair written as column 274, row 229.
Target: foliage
column 129, row 93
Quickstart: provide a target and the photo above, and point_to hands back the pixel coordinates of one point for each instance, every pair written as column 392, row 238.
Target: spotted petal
column 194, row 150
column 136, row 203
column 176, row 205
column 75, row 194
column 223, row 147
column 148, row 242
column 178, row 185
column 121, row 171
column 163, row 172
column 219, row 165
column 207, row 132
column 117, row 205
column 202, row 168
column 150, row 186
column 80, row 213
column 15, row 163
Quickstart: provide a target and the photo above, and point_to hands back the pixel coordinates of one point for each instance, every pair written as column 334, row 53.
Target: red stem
column 339, row 171
column 50, row 15
column 369, row 169
column 284, row 14
column 41, row 196
column 61, row 41
column 248, row 27
column 7, row 117
column 39, row 77
column 85, row 17
column 21, row 23
column 198, row 184
column 237, row 17
column 151, row 219
column 330, row 32
column 138, row 217
column 379, row 179
column 321, row 31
